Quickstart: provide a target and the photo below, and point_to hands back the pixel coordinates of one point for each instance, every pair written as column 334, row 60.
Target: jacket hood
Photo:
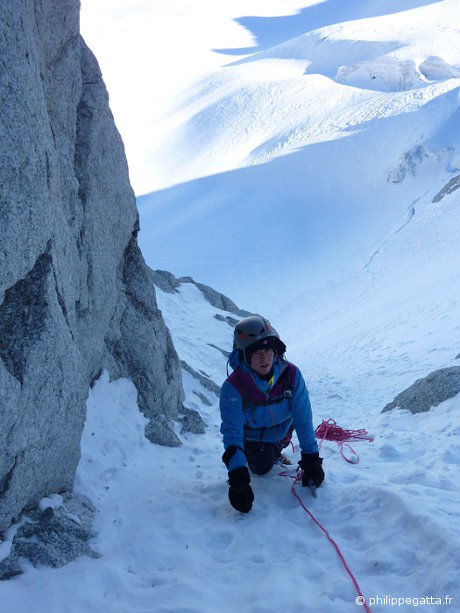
column 234, row 359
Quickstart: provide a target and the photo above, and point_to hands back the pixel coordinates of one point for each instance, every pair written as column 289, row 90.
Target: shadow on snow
column 272, row 31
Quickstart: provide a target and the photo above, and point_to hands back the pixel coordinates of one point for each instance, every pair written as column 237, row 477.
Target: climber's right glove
column 240, row 493
column 313, row 473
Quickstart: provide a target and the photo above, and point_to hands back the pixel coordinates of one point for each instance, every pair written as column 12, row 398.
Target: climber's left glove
column 240, row 492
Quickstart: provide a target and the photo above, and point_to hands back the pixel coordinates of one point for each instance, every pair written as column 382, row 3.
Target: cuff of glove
column 310, row 458
column 239, row 476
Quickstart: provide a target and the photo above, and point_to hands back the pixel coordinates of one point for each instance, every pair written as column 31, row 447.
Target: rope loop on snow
column 329, row 430
column 298, row 478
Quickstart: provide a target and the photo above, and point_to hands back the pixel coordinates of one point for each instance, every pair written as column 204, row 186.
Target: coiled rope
column 329, row 430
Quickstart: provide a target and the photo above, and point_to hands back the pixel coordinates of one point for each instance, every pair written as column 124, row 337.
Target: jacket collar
column 279, row 364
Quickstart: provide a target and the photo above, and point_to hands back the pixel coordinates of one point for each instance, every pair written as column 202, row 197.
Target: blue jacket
column 265, row 423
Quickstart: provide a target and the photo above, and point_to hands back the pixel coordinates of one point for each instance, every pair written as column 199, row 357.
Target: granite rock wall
column 75, row 294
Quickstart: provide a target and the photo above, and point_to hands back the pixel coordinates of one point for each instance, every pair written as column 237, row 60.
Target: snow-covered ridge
column 385, row 53
column 202, row 335
column 224, row 109
column 317, row 87
column 167, row 282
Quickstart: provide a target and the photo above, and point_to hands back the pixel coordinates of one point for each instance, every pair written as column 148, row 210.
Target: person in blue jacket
column 261, row 403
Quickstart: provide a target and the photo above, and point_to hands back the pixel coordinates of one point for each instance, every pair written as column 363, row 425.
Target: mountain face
column 75, row 292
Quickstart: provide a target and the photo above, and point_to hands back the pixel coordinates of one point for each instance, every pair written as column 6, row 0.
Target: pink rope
column 330, row 539
column 329, row 430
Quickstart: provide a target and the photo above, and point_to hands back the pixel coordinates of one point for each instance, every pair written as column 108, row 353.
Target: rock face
column 428, row 392
column 75, row 293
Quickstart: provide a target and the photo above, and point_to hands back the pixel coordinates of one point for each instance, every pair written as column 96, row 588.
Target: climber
column 261, row 403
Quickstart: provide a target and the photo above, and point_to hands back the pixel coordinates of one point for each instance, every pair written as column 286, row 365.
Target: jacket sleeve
column 232, row 427
column 302, row 416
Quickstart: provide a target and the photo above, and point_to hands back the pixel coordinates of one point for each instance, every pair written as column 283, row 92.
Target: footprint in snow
column 219, row 540
column 389, row 453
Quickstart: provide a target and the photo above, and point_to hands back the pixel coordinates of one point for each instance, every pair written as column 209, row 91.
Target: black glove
column 313, row 472
column 240, row 492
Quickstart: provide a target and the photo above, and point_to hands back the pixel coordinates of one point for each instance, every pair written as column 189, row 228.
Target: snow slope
column 171, row 542
column 299, row 160
column 186, row 110
column 301, row 149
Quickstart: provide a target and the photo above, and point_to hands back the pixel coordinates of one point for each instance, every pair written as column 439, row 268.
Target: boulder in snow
column 52, row 535
column 428, row 392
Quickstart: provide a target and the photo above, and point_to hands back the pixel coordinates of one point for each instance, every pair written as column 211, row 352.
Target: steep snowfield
column 171, row 542
column 317, row 88
column 296, row 170
column 186, row 110
column 321, row 148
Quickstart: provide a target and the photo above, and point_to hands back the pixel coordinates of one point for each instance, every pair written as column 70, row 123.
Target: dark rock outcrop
column 428, row 392
column 52, row 536
column 449, row 188
column 204, row 379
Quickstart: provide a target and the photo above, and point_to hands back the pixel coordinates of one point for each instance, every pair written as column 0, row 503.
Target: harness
column 252, row 396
